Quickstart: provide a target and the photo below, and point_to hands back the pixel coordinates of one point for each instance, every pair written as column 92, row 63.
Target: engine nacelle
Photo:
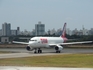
column 58, row 48
column 29, row 48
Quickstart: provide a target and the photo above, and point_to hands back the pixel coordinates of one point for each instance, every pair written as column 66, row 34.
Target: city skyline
column 52, row 13
column 7, row 31
column 40, row 30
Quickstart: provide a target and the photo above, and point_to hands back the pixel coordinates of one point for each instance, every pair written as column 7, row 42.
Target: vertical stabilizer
column 64, row 31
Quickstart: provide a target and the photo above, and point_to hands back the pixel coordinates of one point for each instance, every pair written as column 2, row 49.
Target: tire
column 57, row 51
column 40, row 51
column 35, row 52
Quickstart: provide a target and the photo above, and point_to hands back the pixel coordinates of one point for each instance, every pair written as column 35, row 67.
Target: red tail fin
column 64, row 31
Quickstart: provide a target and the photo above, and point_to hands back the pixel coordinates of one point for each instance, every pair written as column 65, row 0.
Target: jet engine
column 58, row 48
column 29, row 48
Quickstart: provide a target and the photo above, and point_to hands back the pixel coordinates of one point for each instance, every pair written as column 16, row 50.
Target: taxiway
column 22, row 52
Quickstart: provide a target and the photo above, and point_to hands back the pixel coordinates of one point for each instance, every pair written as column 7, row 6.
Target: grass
column 62, row 60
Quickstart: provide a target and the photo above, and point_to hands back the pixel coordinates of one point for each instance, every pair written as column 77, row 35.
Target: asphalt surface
column 22, row 52
column 49, row 50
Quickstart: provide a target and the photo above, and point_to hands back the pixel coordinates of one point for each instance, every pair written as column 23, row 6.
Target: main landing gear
column 57, row 51
column 38, row 50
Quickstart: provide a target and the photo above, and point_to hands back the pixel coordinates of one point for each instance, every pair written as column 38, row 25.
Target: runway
column 49, row 50
column 22, row 52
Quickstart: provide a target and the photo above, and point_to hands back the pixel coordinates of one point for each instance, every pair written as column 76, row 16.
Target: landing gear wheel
column 39, row 51
column 57, row 51
column 35, row 51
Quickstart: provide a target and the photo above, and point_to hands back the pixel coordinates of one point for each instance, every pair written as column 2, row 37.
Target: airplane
column 36, row 43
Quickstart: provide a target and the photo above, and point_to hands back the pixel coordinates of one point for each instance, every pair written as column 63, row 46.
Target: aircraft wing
column 76, row 43
column 20, row 42
column 72, row 43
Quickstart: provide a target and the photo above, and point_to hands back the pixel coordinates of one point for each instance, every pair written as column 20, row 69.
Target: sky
column 52, row 13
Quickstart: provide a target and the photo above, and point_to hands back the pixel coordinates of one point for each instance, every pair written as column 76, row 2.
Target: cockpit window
column 33, row 40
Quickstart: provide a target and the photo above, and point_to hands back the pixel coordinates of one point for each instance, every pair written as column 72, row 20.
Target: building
column 33, row 32
column 0, row 32
column 39, row 29
column 6, row 29
column 75, row 31
column 18, row 30
column 58, row 32
column 4, row 39
column 91, row 31
column 85, row 31
column 53, row 31
column 13, row 32
column 68, row 31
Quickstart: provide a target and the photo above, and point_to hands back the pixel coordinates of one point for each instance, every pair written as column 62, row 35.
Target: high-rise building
column 39, row 29
column 6, row 29
column 0, row 32
column 13, row 32
column 18, row 30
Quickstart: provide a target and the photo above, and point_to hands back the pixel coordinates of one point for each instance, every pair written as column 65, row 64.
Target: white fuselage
column 39, row 42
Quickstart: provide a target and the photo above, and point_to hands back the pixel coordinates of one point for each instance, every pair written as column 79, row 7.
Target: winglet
column 64, row 31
